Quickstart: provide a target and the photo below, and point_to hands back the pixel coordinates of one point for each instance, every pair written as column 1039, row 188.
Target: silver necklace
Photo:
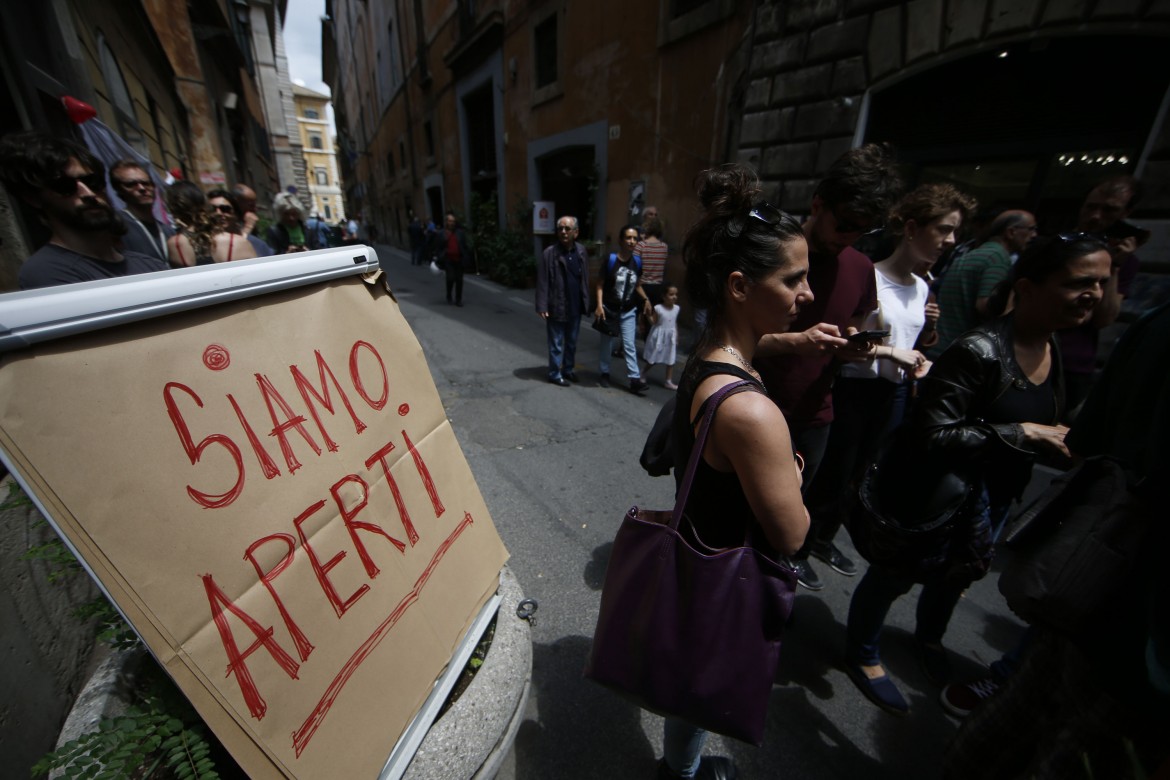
column 747, row 366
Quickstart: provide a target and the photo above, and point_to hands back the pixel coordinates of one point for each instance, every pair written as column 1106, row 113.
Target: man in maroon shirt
column 798, row 367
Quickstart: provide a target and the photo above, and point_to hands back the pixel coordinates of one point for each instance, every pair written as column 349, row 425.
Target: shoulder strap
column 612, row 261
column 713, row 402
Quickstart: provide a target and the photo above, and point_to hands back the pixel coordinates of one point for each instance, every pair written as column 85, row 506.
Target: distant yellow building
column 320, row 154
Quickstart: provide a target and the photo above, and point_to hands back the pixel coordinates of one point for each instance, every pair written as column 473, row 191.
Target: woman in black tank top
column 747, row 264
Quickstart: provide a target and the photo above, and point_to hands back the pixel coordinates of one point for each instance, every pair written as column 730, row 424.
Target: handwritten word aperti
column 349, row 509
column 241, row 634
column 285, row 421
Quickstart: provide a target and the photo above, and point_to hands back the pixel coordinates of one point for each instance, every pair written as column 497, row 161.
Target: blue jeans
column 629, row 324
column 682, row 746
column 876, row 592
column 562, row 346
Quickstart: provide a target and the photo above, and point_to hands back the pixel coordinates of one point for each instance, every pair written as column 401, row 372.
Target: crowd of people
column 881, row 390
column 921, row 406
column 68, row 187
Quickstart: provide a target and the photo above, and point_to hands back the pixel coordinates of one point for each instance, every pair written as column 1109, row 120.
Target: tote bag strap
column 713, row 402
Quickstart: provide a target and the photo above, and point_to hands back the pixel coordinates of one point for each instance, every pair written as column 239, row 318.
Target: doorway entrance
column 568, row 177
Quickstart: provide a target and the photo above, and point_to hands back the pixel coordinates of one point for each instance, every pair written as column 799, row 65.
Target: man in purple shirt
column 798, row 367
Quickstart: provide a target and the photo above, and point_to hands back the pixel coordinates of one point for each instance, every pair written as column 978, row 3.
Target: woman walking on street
column 987, row 410
column 620, row 295
column 747, row 263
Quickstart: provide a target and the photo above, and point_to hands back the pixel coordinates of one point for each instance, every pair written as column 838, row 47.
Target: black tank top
column 717, row 511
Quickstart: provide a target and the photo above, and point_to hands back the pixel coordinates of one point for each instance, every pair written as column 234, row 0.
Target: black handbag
column 658, row 451
column 610, row 326
column 1074, row 548
column 911, row 514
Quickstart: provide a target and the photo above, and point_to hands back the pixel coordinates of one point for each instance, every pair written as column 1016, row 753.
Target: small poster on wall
column 544, row 217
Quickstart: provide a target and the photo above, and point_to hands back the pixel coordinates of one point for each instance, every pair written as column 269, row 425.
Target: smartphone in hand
column 866, row 336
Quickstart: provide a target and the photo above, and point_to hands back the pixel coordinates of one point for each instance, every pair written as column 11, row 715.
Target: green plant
column 505, row 255
column 15, row 498
column 161, row 729
column 162, row 734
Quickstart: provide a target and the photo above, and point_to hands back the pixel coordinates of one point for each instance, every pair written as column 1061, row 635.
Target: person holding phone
column 869, row 394
column 988, row 409
column 800, row 366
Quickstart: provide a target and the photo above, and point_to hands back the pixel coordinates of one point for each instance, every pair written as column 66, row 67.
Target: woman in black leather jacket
column 989, row 406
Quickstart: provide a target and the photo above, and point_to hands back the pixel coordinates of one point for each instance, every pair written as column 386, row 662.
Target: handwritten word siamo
column 285, row 421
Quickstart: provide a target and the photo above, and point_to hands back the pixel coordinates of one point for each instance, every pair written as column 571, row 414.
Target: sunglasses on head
column 767, row 213
column 67, row 185
column 1071, row 237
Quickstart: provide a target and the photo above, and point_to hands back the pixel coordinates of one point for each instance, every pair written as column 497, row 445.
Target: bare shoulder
column 751, row 408
column 746, row 408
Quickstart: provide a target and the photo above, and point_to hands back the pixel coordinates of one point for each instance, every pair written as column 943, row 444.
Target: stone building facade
column 320, row 153
column 601, row 108
column 1021, row 102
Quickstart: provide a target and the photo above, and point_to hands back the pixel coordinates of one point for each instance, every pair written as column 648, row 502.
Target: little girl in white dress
column 662, row 340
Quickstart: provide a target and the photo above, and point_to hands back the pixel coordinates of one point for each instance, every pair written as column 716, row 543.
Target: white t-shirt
column 901, row 311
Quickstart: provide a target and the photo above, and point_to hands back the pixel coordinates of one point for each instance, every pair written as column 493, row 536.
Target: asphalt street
column 558, row 468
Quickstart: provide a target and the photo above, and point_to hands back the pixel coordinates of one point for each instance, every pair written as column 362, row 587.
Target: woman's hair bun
column 729, row 190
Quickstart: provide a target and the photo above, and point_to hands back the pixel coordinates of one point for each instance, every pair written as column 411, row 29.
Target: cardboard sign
column 271, row 493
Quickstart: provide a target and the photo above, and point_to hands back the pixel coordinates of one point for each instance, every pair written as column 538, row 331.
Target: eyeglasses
column 223, row 208
column 67, row 185
column 565, row 229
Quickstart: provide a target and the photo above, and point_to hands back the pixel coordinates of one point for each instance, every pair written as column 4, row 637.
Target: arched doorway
column 1033, row 123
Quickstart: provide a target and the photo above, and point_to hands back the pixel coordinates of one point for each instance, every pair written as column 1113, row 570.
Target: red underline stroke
column 305, row 733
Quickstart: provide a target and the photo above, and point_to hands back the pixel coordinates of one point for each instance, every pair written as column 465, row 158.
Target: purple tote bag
column 687, row 632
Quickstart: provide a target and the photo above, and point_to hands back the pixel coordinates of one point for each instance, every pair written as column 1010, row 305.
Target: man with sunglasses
column 798, row 367
column 144, row 234
column 66, row 185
